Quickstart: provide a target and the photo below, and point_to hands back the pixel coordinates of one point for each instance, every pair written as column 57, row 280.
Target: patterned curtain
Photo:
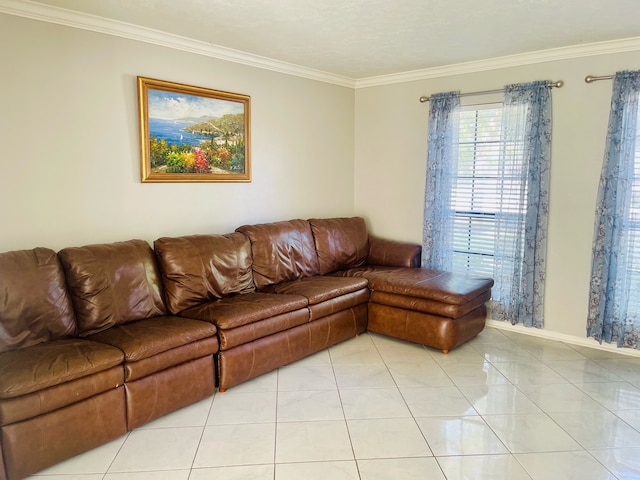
column 523, row 197
column 442, row 159
column 614, row 303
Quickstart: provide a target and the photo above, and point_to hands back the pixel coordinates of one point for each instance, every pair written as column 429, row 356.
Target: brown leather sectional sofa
column 98, row 340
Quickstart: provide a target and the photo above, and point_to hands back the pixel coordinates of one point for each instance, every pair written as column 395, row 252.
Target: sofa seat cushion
column 40, row 402
column 438, row 286
column 45, row 365
column 320, row 289
column 158, row 343
column 234, row 337
column 239, row 310
column 337, row 304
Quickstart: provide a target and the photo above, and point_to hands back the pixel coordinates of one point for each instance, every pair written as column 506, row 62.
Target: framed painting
column 193, row 134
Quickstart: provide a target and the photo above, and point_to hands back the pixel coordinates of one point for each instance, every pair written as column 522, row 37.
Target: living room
column 319, row 149
column 322, row 146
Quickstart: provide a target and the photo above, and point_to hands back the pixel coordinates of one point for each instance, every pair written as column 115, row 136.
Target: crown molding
column 540, row 56
column 69, row 18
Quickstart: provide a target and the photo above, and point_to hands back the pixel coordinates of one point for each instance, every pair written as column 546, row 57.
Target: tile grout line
column 344, row 415
column 547, row 414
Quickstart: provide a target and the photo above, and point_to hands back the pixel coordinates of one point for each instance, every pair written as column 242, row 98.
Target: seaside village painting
column 195, row 134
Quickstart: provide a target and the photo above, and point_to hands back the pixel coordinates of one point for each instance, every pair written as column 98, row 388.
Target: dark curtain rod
column 557, row 84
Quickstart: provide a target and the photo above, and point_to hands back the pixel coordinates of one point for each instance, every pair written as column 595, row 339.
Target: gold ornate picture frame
column 193, row 134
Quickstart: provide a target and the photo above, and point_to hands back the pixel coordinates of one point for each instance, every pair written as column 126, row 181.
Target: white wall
column 390, row 162
column 69, row 149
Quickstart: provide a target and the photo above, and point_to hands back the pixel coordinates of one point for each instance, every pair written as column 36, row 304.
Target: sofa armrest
column 393, row 253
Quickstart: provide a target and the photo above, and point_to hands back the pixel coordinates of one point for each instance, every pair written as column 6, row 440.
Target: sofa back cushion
column 112, row 283
column 282, row 251
column 201, row 268
column 35, row 306
column 341, row 243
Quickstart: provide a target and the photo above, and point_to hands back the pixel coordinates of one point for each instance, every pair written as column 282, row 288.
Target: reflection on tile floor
column 503, row 406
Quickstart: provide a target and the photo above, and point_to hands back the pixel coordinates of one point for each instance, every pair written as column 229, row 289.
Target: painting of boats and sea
column 193, row 134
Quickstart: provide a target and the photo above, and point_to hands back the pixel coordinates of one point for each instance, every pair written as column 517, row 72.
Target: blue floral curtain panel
column 614, row 295
column 442, row 158
column 522, row 216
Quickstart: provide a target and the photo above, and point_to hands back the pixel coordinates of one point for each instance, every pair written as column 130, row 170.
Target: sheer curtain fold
column 614, row 306
column 521, row 199
column 442, row 158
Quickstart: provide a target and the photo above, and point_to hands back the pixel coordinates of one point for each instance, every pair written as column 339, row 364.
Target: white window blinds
column 488, row 187
column 632, row 227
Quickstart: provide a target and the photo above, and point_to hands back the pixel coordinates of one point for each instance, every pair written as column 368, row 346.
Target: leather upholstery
column 438, row 309
column 201, row 268
column 179, row 339
column 432, row 330
column 48, row 364
column 338, row 326
column 176, row 356
column 341, row 243
column 145, row 338
column 259, row 295
column 393, row 253
column 436, row 285
column 39, row 442
column 47, row 400
column 244, row 318
column 431, row 306
column 232, row 312
column 337, row 304
column 50, row 381
column 248, row 333
column 282, row 251
column 249, row 360
column 34, row 304
column 319, row 289
column 170, row 389
column 118, row 296
column 3, row 470
column 113, row 283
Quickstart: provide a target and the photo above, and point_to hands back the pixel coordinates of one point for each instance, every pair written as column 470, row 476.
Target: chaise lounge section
column 438, row 309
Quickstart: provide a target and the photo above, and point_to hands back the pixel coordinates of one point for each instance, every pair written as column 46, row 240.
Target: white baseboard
column 561, row 337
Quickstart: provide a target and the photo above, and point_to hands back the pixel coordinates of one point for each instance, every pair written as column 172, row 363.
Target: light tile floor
column 503, row 406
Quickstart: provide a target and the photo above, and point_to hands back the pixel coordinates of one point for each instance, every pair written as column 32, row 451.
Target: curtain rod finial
column 424, row 99
column 589, row 78
column 558, row 84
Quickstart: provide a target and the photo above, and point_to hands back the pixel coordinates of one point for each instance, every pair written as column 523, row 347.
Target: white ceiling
column 359, row 39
